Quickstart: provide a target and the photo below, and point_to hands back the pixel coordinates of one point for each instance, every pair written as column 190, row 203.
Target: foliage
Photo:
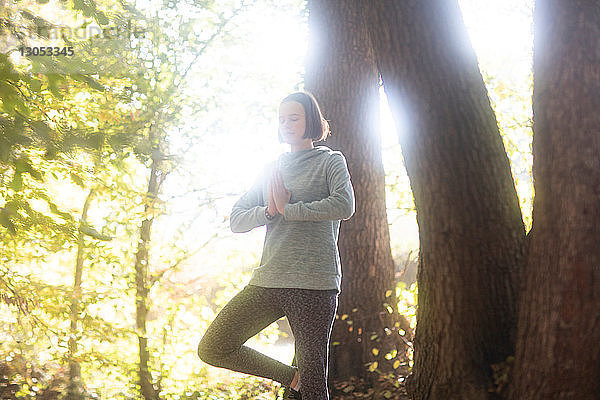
column 385, row 387
column 68, row 126
column 512, row 105
column 20, row 379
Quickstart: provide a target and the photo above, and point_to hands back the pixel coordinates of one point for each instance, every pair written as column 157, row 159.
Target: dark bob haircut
column 317, row 127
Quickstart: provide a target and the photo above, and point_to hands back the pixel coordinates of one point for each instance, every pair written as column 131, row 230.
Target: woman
column 301, row 198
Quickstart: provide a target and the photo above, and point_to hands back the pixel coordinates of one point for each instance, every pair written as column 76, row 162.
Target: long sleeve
column 249, row 211
column 339, row 205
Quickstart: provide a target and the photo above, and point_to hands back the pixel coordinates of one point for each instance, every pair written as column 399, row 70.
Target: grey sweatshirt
column 300, row 248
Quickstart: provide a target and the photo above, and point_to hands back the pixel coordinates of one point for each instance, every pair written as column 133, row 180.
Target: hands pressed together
column 279, row 195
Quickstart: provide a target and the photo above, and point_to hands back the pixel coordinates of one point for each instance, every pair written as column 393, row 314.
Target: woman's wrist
column 270, row 214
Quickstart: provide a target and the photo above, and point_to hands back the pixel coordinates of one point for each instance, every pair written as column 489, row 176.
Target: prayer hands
column 279, row 195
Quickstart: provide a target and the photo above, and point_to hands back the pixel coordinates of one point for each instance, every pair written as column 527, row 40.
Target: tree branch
column 158, row 276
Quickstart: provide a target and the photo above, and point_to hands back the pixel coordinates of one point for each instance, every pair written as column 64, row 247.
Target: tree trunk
column 558, row 347
column 341, row 72
column 141, row 271
column 470, row 228
column 74, row 389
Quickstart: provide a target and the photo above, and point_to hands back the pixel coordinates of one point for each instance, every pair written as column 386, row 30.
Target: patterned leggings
column 310, row 314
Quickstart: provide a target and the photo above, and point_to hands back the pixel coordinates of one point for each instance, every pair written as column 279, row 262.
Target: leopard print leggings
column 310, row 314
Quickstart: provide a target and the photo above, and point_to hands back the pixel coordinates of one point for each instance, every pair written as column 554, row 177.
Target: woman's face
column 292, row 122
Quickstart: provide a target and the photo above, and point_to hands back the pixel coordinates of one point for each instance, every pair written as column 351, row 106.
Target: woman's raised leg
column 246, row 314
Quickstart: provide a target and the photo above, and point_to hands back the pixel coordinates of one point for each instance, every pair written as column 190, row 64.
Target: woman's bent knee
column 209, row 352
column 205, row 352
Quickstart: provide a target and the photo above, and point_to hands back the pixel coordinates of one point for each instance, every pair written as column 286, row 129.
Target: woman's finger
column 277, row 191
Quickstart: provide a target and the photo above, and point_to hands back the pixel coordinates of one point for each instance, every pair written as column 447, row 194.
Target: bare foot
column 295, row 382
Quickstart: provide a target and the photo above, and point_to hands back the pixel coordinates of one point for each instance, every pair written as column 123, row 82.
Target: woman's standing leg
column 311, row 314
column 246, row 314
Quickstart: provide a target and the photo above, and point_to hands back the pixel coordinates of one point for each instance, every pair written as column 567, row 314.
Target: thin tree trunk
column 470, row 228
column 74, row 390
column 558, row 347
column 141, row 271
column 341, row 72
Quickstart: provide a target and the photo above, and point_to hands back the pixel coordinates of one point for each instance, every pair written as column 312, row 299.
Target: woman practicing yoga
column 301, row 198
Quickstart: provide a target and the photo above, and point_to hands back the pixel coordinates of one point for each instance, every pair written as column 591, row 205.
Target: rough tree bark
column 75, row 389
column 470, row 227
column 342, row 74
column 141, row 267
column 558, row 347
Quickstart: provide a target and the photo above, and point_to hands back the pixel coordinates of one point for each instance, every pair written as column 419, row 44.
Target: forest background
column 120, row 164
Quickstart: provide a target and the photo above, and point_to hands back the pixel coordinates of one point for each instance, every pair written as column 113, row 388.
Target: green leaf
column 23, row 164
column 42, row 130
column 77, row 179
column 35, row 85
column 11, row 99
column 53, row 81
column 6, row 222
column 101, row 18
column 17, row 182
column 56, row 211
column 91, row 82
column 79, row 5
